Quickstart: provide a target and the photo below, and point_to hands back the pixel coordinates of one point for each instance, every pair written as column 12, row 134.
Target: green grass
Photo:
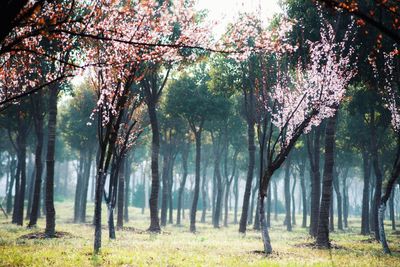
column 176, row 246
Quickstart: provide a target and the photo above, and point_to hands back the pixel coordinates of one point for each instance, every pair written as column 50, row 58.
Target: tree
column 199, row 102
column 298, row 104
column 80, row 134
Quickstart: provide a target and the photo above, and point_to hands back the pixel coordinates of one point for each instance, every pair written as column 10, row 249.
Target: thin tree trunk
column 303, row 193
column 86, row 177
column 339, row 201
column 395, row 173
column 121, row 194
column 185, row 154
column 331, row 216
column 13, row 171
column 391, row 210
column 275, row 201
column 293, row 202
column 378, row 176
column 204, row 191
column 365, row 199
column 165, row 186
column 20, row 197
column 264, row 229
column 155, row 181
column 38, row 123
column 250, row 174
column 236, row 194
column 345, row 202
column 323, row 220
column 78, row 189
column 269, row 207
column 314, row 156
column 193, row 211
column 127, row 189
column 170, row 193
column 288, row 220
column 51, row 145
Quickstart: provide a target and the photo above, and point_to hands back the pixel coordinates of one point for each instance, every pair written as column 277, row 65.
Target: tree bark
column 79, row 188
column 323, row 220
column 86, row 177
column 339, row 201
column 50, row 160
column 303, row 193
column 236, row 194
column 38, row 117
column 204, row 191
column 193, row 211
column 288, row 219
column 127, row 188
column 378, row 176
column 250, row 174
column 18, row 213
column 121, row 194
column 155, row 181
column 346, row 202
column 185, row 154
column 293, row 202
column 365, row 199
column 313, row 149
column 165, row 186
column 275, row 200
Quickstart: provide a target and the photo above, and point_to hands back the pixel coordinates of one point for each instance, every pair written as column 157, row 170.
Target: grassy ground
column 176, row 246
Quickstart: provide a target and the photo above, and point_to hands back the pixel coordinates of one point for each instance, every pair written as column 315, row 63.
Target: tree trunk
column 18, row 218
column 275, row 201
column 86, row 177
column 218, row 202
column 79, row 188
column 204, row 191
column 323, row 220
column 378, row 176
column 391, row 207
column 165, row 187
column 250, row 174
column 13, row 175
column 193, row 211
column 236, row 194
column 331, row 216
column 121, row 194
column 185, row 154
column 170, row 193
column 38, row 118
column 339, row 201
column 127, row 191
column 314, row 157
column 269, row 208
column 288, row 219
column 31, row 188
column 155, row 181
column 365, row 198
column 264, row 229
column 346, row 202
column 293, row 202
column 395, row 173
column 51, row 145
column 16, row 206
column 303, row 193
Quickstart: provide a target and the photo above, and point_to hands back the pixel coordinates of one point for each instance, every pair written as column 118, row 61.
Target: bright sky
column 224, row 11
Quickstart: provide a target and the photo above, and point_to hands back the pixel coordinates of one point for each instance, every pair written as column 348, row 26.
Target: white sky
column 224, row 11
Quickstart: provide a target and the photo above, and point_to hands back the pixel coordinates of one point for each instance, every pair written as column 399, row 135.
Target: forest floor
column 176, row 246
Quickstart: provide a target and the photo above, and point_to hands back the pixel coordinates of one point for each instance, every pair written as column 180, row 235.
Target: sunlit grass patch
column 176, row 246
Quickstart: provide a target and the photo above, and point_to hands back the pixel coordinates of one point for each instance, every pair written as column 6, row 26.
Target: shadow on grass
column 42, row 235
